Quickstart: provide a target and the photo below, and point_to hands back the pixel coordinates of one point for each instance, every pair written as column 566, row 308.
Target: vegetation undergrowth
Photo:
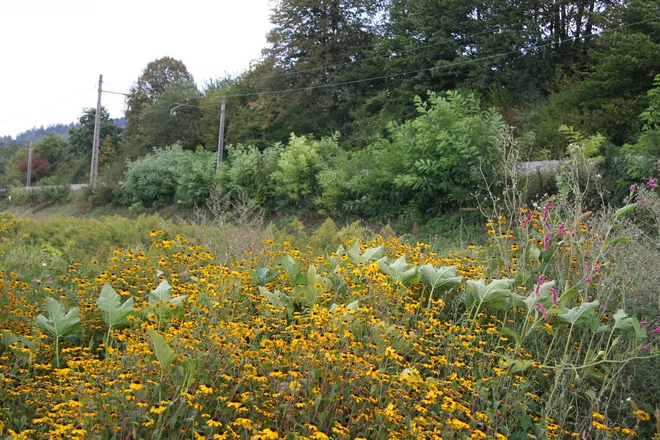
column 541, row 332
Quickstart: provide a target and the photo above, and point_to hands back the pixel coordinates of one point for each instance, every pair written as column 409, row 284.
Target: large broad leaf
column 440, row 277
column 622, row 321
column 163, row 295
column 544, row 297
column 58, row 323
column 369, row 254
column 399, row 271
column 275, row 298
column 497, row 294
column 292, row 268
column 263, row 275
column 163, row 352
column 316, row 285
column 113, row 312
column 581, row 316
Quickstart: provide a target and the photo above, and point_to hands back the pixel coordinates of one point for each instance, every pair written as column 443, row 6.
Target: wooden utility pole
column 93, row 172
column 28, row 178
column 221, row 137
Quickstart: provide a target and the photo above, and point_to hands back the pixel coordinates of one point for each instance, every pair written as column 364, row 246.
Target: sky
column 52, row 52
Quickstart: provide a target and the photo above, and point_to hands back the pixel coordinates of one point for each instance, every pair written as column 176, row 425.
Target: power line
column 473, row 60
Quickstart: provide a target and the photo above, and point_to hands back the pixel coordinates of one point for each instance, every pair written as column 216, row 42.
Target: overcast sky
column 52, row 52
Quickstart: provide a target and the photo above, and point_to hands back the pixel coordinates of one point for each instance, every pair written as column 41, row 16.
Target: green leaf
column 622, row 321
column 535, row 253
column 163, row 294
column 621, row 240
column 625, row 210
column 58, row 323
column 296, row 278
column 507, row 331
column 497, row 294
column 440, row 277
column 263, row 275
column 399, row 271
column 566, row 297
column 583, row 315
column 113, row 312
column 163, row 352
column 275, row 298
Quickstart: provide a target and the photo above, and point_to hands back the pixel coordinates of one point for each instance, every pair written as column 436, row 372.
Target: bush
column 433, row 162
column 196, row 179
column 157, row 178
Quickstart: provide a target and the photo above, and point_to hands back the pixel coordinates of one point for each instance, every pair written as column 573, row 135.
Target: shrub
column 197, row 177
column 155, row 180
column 433, row 162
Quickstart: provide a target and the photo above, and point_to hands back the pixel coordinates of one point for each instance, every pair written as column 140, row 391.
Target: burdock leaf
column 113, row 312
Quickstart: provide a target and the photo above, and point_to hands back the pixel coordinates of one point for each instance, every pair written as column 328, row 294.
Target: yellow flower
column 642, row 415
column 157, row 409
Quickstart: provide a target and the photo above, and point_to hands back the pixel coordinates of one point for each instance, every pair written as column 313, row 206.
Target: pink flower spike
column 546, row 211
column 632, row 187
column 587, row 268
column 588, row 279
column 528, row 218
column 655, row 331
column 646, row 348
column 651, row 183
column 542, row 310
column 554, row 295
column 546, row 242
column 643, row 323
column 561, row 230
column 596, row 268
column 538, row 284
column 641, row 201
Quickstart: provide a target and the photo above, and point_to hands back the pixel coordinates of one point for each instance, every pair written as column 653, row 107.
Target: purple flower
column 632, row 187
column 546, row 211
column 646, row 348
column 546, row 242
column 561, row 230
column 538, row 284
column 554, row 295
column 655, row 331
column 651, row 183
column 528, row 218
column 542, row 310
column 643, row 323
column 596, row 268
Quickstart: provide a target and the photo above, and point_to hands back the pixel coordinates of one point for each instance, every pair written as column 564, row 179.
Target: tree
column 81, row 137
column 161, row 124
column 313, row 44
column 39, row 168
column 153, row 81
column 54, row 149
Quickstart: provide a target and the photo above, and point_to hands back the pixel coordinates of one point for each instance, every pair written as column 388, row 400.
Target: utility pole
column 221, row 137
column 97, row 134
column 28, row 178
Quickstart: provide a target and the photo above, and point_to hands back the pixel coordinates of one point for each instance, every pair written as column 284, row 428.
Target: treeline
column 350, row 79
